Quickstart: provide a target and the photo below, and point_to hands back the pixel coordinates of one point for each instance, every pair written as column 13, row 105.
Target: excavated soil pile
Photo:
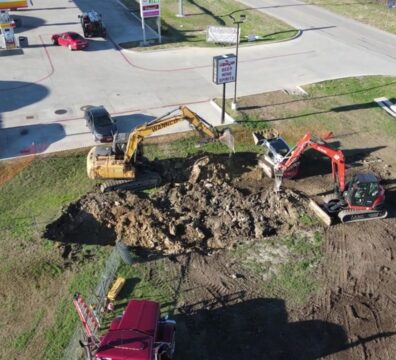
column 212, row 209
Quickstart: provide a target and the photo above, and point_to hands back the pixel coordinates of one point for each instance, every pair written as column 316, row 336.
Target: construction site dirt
column 208, row 207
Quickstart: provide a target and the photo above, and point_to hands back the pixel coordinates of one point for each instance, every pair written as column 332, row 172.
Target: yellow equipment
column 104, row 162
column 115, row 289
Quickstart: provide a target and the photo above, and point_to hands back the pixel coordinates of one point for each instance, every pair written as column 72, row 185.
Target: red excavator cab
column 364, row 191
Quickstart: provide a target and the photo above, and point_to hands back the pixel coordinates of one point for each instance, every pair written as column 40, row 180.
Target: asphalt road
column 43, row 90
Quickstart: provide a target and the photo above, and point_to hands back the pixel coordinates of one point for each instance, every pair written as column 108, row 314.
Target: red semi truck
column 139, row 334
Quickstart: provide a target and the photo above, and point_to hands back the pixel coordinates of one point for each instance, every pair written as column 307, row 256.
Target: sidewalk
column 73, row 134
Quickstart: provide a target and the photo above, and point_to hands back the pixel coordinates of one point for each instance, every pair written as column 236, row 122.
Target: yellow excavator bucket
column 227, row 139
column 116, row 288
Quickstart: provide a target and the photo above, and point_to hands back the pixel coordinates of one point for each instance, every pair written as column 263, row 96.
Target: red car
column 72, row 40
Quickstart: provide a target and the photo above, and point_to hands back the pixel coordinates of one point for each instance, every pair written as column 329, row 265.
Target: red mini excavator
column 360, row 199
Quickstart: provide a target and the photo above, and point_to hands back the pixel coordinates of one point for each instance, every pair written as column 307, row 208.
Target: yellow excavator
column 117, row 164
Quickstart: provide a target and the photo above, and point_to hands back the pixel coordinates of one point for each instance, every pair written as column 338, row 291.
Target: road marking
column 132, row 111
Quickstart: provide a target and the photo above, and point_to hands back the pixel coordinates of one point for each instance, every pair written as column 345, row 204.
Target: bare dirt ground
column 359, row 272
column 208, row 207
column 210, row 203
column 359, row 291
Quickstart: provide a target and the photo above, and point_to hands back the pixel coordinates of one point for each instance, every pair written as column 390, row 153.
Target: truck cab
column 92, row 24
column 139, row 334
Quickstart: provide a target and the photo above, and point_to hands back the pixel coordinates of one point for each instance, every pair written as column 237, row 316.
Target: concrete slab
column 69, row 134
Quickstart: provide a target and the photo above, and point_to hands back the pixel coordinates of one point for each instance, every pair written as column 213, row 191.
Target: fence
column 98, row 298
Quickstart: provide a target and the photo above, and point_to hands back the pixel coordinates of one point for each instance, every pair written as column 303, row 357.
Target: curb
column 228, row 117
column 297, row 35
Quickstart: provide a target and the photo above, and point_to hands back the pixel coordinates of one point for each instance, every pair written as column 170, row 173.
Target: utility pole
column 241, row 20
column 181, row 11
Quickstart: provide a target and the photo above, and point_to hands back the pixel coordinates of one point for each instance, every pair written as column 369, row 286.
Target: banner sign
column 221, row 35
column 224, row 67
column 149, row 8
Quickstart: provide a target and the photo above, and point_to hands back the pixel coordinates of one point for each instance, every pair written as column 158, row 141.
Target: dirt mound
column 212, row 209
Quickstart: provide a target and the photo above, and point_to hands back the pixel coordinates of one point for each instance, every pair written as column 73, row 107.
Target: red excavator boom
column 336, row 156
column 361, row 199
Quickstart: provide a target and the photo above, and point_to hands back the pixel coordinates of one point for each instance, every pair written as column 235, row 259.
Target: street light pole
column 242, row 19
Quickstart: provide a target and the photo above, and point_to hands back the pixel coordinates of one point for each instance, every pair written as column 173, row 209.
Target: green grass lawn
column 199, row 14
column 37, row 193
column 335, row 105
column 375, row 13
column 36, row 289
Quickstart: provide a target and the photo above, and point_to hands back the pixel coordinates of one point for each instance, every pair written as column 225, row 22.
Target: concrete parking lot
column 51, row 85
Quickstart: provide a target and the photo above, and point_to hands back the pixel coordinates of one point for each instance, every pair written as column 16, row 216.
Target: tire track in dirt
column 209, row 281
column 361, row 280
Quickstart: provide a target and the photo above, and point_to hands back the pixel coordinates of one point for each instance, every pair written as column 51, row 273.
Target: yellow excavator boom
column 147, row 129
column 103, row 163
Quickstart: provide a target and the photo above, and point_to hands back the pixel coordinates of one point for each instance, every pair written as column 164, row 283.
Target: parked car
column 100, row 123
column 72, row 40
column 92, row 24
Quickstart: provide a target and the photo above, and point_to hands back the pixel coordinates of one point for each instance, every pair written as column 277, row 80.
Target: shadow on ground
column 98, row 44
column 126, row 123
column 20, row 94
column 29, row 139
column 257, row 329
column 314, row 163
column 390, row 196
column 24, row 22
column 84, row 229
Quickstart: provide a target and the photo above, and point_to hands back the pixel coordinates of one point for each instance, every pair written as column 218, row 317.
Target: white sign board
column 227, row 35
column 224, row 68
column 149, row 8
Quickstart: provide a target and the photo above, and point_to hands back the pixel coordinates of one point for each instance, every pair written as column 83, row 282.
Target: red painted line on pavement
column 131, row 111
column 120, row 50
column 39, row 80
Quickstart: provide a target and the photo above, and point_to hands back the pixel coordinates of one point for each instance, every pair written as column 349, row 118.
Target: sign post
column 148, row 9
column 181, row 11
column 390, row 5
column 224, row 71
column 242, row 19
